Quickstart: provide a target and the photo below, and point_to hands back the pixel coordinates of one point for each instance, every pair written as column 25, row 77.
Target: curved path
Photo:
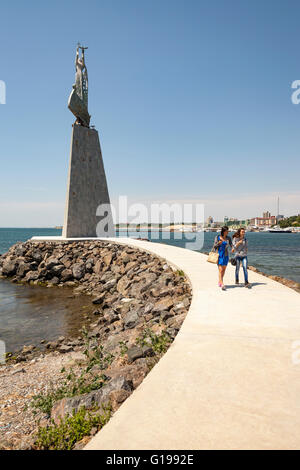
column 229, row 380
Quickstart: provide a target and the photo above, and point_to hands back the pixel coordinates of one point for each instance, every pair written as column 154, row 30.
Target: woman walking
column 222, row 243
column 240, row 248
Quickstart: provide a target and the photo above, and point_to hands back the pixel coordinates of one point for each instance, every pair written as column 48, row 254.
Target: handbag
column 233, row 261
column 213, row 257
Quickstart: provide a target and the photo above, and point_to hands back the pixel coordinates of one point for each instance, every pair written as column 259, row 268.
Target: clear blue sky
column 192, row 100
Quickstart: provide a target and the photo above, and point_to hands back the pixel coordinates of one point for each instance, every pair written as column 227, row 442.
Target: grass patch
column 74, row 385
column 180, row 273
column 71, row 387
column 159, row 342
column 123, row 348
column 71, row 430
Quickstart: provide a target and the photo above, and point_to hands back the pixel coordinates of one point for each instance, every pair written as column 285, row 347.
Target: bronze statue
column 78, row 100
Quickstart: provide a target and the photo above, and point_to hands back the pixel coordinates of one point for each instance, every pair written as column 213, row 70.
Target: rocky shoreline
column 282, row 280
column 140, row 303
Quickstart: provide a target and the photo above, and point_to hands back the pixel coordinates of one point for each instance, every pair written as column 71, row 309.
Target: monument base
column 87, row 189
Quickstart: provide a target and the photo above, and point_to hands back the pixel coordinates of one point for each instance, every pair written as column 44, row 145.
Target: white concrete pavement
column 228, row 381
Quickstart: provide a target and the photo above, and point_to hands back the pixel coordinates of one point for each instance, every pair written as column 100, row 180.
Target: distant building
column 244, row 222
column 280, row 217
column 267, row 220
column 231, row 221
column 209, row 220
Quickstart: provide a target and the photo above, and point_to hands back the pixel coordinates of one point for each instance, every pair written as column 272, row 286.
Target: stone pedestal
column 87, row 188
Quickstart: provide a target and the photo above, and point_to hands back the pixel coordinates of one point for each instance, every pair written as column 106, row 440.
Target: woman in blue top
column 222, row 243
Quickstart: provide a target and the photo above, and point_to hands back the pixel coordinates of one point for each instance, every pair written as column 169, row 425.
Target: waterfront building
column 267, row 220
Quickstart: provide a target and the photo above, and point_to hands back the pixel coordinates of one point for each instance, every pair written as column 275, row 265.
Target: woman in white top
column 240, row 248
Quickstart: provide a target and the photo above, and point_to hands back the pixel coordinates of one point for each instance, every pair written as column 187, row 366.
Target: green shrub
column 74, row 385
column 123, row 348
column 71, row 430
column 159, row 342
column 180, row 273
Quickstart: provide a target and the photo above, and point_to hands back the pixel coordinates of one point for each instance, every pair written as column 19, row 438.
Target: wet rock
column 78, row 271
column 28, row 349
column 23, row 269
column 66, row 275
column 51, row 262
column 66, row 261
column 54, row 281
column 97, row 312
column 33, row 266
column 52, row 345
column 9, row 268
column 63, row 348
column 57, row 270
column 32, row 276
column 70, row 284
column 99, row 299
column 37, row 256
column 89, row 267
column 20, row 250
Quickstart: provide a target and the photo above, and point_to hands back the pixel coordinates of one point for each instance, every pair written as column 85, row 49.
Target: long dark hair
column 223, row 230
column 237, row 234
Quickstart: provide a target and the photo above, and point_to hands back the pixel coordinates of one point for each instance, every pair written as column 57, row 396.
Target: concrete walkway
column 228, row 381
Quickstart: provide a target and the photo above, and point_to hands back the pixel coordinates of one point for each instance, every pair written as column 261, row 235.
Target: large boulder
column 37, row 256
column 23, row 269
column 66, row 275
column 166, row 303
column 20, row 250
column 57, row 270
column 109, row 285
column 32, row 276
column 131, row 320
column 51, row 262
column 9, row 267
column 78, row 271
column 123, row 285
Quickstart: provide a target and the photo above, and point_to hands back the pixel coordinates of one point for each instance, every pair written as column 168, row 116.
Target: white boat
column 279, row 230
